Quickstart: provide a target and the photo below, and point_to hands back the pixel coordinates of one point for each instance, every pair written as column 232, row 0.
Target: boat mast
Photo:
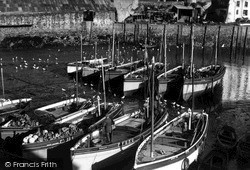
column 192, row 75
column 76, row 83
column 103, row 85
column 2, row 81
column 216, row 50
column 162, row 45
column 165, row 53
column 183, row 56
column 152, row 116
column 113, row 46
column 95, row 49
column 81, row 48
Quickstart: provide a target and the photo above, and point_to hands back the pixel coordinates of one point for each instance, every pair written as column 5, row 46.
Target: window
column 245, row 12
column 246, row 4
column 238, row 3
column 88, row 15
column 237, row 12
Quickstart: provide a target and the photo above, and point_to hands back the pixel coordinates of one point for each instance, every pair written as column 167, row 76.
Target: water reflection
column 236, row 83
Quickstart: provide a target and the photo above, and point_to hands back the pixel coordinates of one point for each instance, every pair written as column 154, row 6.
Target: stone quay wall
column 39, row 29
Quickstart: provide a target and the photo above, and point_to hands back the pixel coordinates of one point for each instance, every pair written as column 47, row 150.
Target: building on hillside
column 238, row 9
column 168, row 11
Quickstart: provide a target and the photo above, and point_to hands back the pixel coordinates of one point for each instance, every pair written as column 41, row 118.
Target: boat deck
column 132, row 122
column 164, row 146
column 58, row 111
column 127, row 129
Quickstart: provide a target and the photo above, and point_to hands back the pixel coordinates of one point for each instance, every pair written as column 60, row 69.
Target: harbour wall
column 39, row 29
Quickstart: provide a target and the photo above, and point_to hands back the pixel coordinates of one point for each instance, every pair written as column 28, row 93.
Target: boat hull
column 95, row 160
column 110, row 154
column 202, row 85
column 42, row 149
column 132, row 86
column 174, row 161
column 71, row 69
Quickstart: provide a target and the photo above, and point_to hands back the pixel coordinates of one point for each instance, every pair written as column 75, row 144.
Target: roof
column 183, row 7
column 55, row 5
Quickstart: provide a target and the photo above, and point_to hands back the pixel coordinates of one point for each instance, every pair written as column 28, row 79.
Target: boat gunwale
column 206, row 80
column 105, row 148
column 42, row 145
column 165, row 160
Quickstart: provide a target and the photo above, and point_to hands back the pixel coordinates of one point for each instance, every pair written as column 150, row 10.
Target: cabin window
column 246, row 4
column 238, row 3
column 237, row 12
column 245, row 12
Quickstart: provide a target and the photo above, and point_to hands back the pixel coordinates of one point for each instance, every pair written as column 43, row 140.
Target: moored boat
column 205, row 78
column 227, row 137
column 67, row 128
column 243, row 148
column 136, row 80
column 121, row 70
column 128, row 132
column 14, row 119
column 175, row 145
column 7, row 106
column 214, row 160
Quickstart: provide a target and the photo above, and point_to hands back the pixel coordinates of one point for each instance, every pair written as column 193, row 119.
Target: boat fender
column 185, row 164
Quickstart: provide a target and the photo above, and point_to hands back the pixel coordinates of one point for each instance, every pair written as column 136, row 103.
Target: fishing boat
column 70, row 127
column 243, row 148
column 57, row 112
column 175, row 145
column 214, row 160
column 67, row 128
column 206, row 78
column 16, row 121
column 8, row 106
column 137, row 79
column 227, row 137
column 128, row 132
column 121, row 70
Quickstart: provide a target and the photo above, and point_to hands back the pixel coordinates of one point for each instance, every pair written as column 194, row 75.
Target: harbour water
column 231, row 106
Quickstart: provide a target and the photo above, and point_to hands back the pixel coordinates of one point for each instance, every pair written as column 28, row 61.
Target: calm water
column 235, row 93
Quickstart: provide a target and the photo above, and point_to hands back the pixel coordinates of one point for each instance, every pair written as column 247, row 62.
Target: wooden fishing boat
column 85, row 65
column 137, row 79
column 66, row 129
column 14, row 120
column 57, row 112
column 121, row 70
column 175, row 145
column 8, row 106
column 205, row 79
column 214, row 160
column 167, row 77
column 227, row 137
column 243, row 148
column 128, row 132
